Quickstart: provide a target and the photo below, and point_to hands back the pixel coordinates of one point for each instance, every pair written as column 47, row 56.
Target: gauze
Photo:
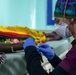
column 63, row 30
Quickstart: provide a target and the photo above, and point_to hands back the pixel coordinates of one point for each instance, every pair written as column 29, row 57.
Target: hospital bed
column 15, row 63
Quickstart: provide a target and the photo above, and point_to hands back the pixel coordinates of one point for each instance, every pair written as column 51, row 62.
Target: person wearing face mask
column 61, row 31
column 64, row 9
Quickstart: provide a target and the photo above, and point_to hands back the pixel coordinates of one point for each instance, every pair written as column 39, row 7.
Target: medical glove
column 29, row 42
column 46, row 50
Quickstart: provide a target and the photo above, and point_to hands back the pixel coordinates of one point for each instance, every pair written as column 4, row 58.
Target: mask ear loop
column 65, row 9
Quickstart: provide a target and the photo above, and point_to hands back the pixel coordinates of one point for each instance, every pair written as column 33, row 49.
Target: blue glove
column 29, row 42
column 46, row 50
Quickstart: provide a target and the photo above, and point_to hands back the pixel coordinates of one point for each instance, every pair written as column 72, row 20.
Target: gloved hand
column 29, row 42
column 46, row 50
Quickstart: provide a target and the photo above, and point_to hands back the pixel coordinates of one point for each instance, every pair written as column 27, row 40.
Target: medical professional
column 61, row 31
column 65, row 9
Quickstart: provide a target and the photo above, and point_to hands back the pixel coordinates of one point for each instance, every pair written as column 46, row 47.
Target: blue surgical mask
column 63, row 30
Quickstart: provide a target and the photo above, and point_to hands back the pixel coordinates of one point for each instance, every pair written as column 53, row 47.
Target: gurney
column 11, row 48
column 15, row 63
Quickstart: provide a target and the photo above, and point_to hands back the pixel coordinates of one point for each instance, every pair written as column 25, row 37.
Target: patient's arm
column 53, row 36
column 8, row 48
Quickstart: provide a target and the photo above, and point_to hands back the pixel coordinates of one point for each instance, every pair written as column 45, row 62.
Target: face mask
column 63, row 30
column 56, row 26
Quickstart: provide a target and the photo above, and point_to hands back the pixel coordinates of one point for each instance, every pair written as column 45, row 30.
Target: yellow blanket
column 37, row 35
